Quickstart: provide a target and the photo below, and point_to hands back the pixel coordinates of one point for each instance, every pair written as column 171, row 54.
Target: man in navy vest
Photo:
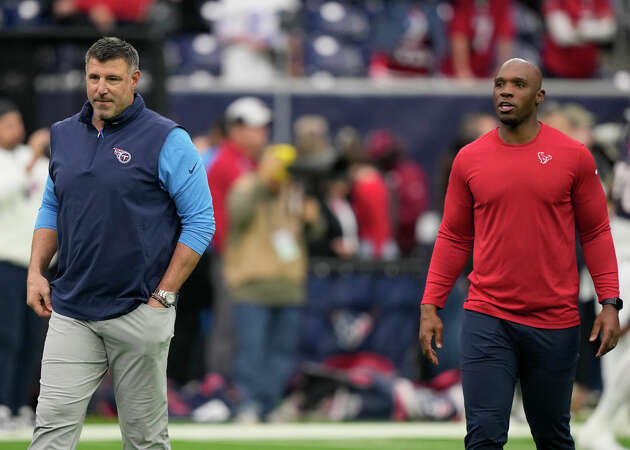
column 128, row 209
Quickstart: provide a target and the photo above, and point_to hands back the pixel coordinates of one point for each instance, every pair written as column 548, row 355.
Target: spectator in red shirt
column 407, row 182
column 369, row 198
column 515, row 196
column 247, row 134
column 104, row 14
column 575, row 28
column 481, row 34
column 246, row 122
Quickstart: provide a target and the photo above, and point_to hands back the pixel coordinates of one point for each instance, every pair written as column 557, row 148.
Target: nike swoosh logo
column 193, row 169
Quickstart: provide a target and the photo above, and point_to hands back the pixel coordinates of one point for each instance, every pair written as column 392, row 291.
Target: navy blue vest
column 116, row 228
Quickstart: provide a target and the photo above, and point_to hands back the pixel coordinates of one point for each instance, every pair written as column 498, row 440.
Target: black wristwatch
column 615, row 301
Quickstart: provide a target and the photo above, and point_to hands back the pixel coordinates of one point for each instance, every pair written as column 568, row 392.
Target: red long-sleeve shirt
column 370, row 203
column 230, row 164
column 520, row 204
column 131, row 10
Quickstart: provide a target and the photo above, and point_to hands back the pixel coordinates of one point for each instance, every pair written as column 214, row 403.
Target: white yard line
column 307, row 431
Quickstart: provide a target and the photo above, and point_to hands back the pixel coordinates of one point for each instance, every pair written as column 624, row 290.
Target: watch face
column 170, row 298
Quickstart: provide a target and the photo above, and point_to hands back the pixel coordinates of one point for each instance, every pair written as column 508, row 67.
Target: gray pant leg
column 73, row 365
column 137, row 349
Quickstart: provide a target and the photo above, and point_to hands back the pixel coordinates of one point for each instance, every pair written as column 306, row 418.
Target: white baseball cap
column 249, row 111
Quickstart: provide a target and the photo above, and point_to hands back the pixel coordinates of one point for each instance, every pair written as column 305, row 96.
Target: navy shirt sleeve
column 47, row 215
column 182, row 175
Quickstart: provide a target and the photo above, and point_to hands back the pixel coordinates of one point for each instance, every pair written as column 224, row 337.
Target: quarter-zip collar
column 127, row 115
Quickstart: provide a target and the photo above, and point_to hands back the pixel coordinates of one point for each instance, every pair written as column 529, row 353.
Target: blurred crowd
column 352, row 38
column 279, row 206
column 339, row 195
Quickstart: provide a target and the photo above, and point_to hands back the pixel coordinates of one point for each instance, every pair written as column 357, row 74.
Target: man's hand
column 38, row 294
column 430, row 325
column 606, row 323
column 153, row 303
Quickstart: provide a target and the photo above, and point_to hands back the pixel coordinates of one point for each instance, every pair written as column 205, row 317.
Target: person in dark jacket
column 128, row 210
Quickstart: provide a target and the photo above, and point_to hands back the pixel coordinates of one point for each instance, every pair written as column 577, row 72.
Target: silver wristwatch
column 166, row 298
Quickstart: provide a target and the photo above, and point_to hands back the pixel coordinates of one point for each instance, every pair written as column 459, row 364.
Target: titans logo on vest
column 122, row 155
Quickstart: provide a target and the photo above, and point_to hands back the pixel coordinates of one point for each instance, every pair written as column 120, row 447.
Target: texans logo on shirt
column 122, row 155
column 543, row 158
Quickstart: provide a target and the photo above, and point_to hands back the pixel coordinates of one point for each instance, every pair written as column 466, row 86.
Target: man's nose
column 101, row 89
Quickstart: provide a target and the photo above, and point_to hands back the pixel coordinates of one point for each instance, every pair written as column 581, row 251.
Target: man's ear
column 135, row 77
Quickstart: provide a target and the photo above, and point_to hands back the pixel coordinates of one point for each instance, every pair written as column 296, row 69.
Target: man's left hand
column 606, row 323
column 153, row 303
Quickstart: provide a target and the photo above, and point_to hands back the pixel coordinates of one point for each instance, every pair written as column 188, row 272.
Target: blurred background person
column 481, row 34
column 252, row 38
column 575, row 30
column 369, row 197
column 247, row 133
column 407, row 182
column 209, row 143
column 471, row 127
column 553, row 114
column 409, row 39
column 323, row 173
column 103, row 14
column 187, row 353
column 265, row 271
column 576, row 122
column 611, row 413
column 23, row 173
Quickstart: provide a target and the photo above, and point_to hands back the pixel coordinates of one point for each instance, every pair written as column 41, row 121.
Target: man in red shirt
column 247, row 120
column 481, row 33
column 517, row 193
column 575, row 29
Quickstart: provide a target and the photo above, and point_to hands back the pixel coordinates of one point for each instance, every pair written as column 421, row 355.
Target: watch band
column 154, row 296
column 166, row 298
column 615, row 301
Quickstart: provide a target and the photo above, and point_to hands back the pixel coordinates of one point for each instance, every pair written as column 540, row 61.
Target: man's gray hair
column 108, row 48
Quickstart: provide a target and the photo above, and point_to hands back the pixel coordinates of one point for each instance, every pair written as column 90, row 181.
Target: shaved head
column 517, row 93
column 530, row 70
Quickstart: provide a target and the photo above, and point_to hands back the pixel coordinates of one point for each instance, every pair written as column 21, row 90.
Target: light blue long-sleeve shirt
column 182, row 174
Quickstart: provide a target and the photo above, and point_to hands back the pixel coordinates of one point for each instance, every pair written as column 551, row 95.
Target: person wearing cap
column 265, row 271
column 23, row 172
column 247, row 121
column 127, row 209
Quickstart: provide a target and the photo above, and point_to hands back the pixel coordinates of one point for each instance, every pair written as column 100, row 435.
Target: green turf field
column 351, row 444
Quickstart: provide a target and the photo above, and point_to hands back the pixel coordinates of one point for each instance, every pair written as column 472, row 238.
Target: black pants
column 187, row 350
column 495, row 354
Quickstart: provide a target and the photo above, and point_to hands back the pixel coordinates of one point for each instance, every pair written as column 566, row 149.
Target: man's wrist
column 166, row 298
column 609, row 307
column 428, row 308
column 615, row 302
column 34, row 271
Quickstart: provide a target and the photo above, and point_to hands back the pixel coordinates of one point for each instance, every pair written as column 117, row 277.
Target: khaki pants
column 77, row 353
